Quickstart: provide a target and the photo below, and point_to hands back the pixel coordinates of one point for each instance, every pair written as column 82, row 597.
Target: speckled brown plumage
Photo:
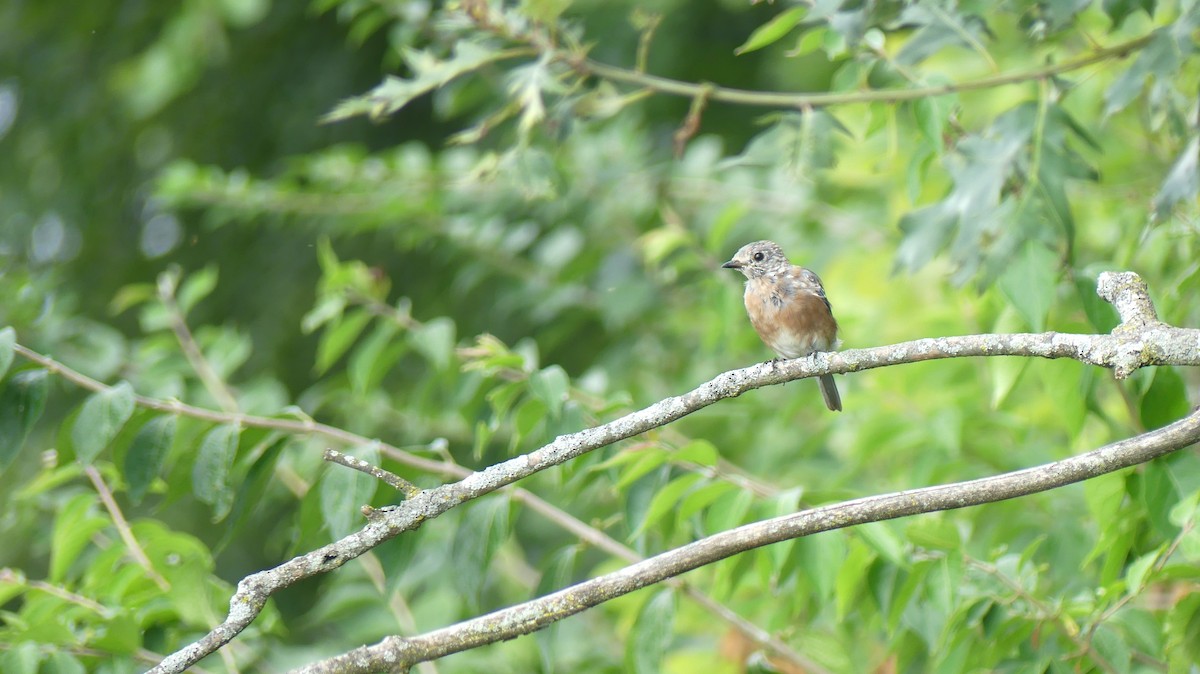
column 788, row 308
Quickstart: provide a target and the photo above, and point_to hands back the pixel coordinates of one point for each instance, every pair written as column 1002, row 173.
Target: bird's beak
column 732, row 264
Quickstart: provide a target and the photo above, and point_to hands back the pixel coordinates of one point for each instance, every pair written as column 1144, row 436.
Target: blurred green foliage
column 526, row 242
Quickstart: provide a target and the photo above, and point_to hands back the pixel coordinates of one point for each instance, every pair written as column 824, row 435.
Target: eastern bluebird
column 788, row 308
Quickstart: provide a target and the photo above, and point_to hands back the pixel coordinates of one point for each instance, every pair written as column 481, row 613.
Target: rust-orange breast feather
column 790, row 313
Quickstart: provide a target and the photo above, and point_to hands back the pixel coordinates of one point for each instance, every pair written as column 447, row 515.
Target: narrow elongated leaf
column 21, row 403
column 210, row 474
column 338, row 338
column 774, row 30
column 145, row 456
column 100, row 419
column 665, row 501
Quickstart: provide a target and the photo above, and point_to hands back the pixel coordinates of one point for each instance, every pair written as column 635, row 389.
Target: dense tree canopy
column 436, row 236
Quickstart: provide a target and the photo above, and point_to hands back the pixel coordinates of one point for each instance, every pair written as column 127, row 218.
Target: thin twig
column 773, row 99
column 446, row 468
column 12, row 577
column 1068, row 628
column 1140, row 340
column 393, row 480
column 398, row 652
column 191, row 350
column 122, row 525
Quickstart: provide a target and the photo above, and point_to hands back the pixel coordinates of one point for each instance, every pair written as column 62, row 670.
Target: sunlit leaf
column 774, row 30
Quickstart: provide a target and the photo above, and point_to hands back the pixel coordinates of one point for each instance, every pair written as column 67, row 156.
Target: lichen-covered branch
column 397, row 653
column 1139, row 341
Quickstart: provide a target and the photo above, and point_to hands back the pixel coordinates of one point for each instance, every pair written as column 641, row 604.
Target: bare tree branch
column 398, row 653
column 1139, row 341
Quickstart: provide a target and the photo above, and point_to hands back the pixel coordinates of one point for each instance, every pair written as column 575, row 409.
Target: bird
column 788, row 308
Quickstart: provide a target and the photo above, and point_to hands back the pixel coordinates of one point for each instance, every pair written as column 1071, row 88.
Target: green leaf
column 1031, row 282
column 774, row 30
column 1165, row 401
column 1182, row 183
column 701, row 498
column 429, row 73
column 701, row 452
column 21, row 403
column 1186, row 510
column 74, row 526
column 879, row 535
column 1139, row 570
column 643, row 461
column 1159, row 58
column 145, row 457
column 934, row 532
column 651, row 635
column 551, row 385
column 8, row 339
column 197, row 286
column 1119, row 10
column 851, row 577
column 344, row 491
column 728, row 512
column 1113, row 648
column 250, row 490
column 1183, row 629
column 374, row 357
column 22, row 658
column 100, row 419
column 337, row 339
column 210, row 473
column 529, row 414
column 931, row 113
column 61, row 662
column 435, row 340
column 664, row 501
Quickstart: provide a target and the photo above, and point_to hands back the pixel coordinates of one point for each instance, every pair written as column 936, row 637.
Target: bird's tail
column 830, row 393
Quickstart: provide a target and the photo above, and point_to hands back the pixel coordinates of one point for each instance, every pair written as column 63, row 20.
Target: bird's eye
column 758, row 257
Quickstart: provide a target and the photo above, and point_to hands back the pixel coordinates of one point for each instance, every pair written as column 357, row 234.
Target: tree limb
column 1139, row 341
column 398, row 653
